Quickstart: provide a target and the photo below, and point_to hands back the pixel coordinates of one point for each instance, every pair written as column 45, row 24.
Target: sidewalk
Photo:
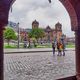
column 32, row 50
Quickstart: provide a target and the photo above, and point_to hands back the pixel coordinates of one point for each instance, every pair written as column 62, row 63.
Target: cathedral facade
column 50, row 33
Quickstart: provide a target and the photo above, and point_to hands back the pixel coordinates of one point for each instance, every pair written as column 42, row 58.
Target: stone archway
column 73, row 8
column 74, row 12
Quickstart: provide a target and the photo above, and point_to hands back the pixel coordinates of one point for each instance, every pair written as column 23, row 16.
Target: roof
column 48, row 29
column 58, row 24
column 35, row 22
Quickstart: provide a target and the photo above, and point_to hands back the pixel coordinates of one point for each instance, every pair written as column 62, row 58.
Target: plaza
column 73, row 10
column 38, row 66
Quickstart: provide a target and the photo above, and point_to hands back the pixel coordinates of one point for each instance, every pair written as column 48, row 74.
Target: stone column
column 77, row 49
column 4, row 12
column 1, row 53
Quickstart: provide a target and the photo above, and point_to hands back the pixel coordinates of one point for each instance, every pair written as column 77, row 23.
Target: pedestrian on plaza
column 59, row 48
column 63, row 41
column 63, row 49
column 53, row 48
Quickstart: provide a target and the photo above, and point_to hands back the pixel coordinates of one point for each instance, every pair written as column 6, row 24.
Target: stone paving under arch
column 38, row 66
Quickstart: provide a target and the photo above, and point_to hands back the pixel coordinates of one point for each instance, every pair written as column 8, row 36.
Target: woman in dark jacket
column 53, row 47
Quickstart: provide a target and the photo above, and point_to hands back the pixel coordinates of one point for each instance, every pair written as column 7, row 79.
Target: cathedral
column 50, row 33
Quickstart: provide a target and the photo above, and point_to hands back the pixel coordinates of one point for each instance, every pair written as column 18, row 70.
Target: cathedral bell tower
column 35, row 24
column 58, row 29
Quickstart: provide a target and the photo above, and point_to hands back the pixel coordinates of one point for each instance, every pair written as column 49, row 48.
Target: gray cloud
column 25, row 11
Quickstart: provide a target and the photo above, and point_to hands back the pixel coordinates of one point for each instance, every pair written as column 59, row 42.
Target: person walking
column 53, row 48
column 63, row 49
column 63, row 41
column 59, row 48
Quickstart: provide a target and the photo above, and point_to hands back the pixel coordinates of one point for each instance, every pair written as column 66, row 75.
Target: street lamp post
column 18, row 33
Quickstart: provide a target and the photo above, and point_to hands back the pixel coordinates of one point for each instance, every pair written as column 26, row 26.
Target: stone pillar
column 1, row 53
column 4, row 12
column 77, row 42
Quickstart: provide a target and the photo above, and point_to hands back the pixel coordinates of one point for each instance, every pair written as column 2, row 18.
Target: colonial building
column 50, row 33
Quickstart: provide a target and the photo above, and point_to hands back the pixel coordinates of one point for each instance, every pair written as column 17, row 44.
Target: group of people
column 60, row 48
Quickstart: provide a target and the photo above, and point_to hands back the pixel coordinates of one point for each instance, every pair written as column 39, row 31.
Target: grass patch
column 70, row 46
column 41, row 46
column 38, row 46
column 50, row 46
column 44, row 46
column 10, row 46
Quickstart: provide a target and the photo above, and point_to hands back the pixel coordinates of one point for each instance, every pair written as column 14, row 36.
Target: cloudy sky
column 26, row 11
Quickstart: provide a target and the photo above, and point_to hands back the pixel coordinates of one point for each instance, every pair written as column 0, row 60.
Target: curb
column 33, row 51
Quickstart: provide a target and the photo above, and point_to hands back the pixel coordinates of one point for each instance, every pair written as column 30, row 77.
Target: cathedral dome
column 58, row 24
column 35, row 22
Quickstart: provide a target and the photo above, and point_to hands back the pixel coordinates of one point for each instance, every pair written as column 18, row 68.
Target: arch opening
column 75, row 25
column 72, row 13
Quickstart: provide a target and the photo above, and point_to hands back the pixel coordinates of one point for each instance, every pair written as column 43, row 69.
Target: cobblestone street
column 38, row 66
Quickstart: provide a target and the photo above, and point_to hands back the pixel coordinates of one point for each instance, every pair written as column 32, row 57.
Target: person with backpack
column 59, row 48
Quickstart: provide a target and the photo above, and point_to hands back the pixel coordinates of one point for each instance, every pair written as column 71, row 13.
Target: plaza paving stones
column 38, row 66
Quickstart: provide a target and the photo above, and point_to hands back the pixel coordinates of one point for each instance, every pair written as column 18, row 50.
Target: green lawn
column 70, row 46
column 10, row 46
column 38, row 46
column 67, row 46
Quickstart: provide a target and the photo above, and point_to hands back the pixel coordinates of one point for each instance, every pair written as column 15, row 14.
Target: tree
column 37, row 33
column 9, row 34
column 42, row 33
